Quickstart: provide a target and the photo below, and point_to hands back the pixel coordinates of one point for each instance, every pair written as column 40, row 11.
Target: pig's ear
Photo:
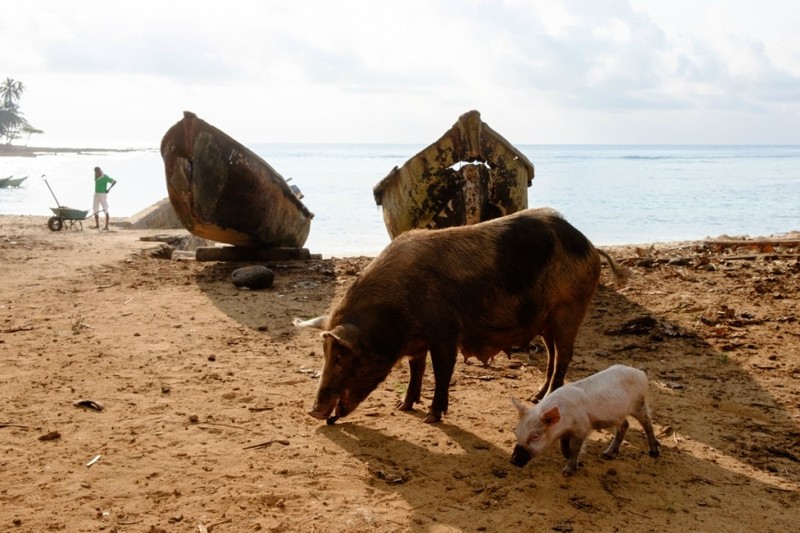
column 521, row 407
column 345, row 334
column 551, row 416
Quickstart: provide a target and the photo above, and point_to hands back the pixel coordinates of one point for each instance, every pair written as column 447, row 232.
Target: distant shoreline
column 8, row 150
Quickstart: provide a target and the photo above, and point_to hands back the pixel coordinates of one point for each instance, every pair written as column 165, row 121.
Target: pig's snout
column 520, row 456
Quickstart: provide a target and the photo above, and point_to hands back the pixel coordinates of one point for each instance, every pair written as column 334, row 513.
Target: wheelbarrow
column 64, row 216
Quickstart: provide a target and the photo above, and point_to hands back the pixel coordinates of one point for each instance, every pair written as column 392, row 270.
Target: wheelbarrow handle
column 58, row 204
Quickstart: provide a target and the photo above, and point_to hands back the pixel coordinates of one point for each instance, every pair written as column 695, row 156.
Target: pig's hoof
column 405, row 406
column 538, row 396
column 609, row 455
column 568, row 472
column 332, row 420
column 432, row 418
column 654, row 453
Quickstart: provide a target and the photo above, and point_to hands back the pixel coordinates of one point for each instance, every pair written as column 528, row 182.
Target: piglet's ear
column 345, row 334
column 551, row 416
column 521, row 407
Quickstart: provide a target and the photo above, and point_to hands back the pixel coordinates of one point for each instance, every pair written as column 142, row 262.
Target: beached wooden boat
column 469, row 175
column 223, row 191
column 12, row 181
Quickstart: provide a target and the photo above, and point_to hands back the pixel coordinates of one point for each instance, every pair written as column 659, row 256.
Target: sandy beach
column 143, row 394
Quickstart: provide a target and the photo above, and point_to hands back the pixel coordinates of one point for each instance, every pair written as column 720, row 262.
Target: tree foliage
column 12, row 121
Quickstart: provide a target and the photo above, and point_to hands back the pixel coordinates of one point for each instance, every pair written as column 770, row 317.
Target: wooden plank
column 242, row 253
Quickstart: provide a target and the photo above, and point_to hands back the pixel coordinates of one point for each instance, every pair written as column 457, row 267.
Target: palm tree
column 12, row 120
column 11, row 91
column 30, row 130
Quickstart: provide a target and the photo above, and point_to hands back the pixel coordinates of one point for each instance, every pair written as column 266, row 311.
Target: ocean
column 621, row 194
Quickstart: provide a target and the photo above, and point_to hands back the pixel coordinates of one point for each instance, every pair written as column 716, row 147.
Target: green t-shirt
column 102, row 183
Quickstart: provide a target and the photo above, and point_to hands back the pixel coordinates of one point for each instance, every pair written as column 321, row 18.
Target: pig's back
column 614, row 392
column 512, row 251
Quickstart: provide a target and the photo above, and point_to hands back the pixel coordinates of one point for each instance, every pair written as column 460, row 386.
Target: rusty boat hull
column 469, row 175
column 224, row 192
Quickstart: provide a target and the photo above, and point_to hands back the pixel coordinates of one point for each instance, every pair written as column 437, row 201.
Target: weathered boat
column 11, row 181
column 469, row 175
column 224, row 192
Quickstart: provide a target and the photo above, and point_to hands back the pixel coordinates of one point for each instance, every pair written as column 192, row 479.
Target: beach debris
column 635, row 326
column 468, row 175
column 93, row 460
column 10, row 425
column 647, row 324
column 176, row 246
column 164, row 251
column 52, row 435
column 89, row 404
column 267, row 444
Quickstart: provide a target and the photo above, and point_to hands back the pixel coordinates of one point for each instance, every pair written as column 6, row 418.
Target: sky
column 386, row 71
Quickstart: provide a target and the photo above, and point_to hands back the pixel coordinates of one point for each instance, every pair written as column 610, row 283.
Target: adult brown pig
column 481, row 288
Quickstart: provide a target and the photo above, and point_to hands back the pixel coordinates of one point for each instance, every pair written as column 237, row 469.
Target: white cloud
column 403, row 71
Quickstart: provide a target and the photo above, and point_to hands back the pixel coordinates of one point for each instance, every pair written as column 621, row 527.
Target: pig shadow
column 475, row 488
column 697, row 390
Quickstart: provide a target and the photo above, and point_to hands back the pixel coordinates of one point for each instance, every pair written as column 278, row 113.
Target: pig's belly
column 489, row 344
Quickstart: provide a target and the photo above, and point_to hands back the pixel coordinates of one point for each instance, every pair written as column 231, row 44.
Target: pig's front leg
column 444, row 361
column 613, row 448
column 416, row 367
column 575, row 445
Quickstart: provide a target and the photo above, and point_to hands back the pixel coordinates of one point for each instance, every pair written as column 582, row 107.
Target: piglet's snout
column 520, row 456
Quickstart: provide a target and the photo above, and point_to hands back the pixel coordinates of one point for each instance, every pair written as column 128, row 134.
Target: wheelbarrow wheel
column 55, row 223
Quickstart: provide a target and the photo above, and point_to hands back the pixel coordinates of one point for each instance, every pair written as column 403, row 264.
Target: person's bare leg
column 106, row 220
column 96, row 221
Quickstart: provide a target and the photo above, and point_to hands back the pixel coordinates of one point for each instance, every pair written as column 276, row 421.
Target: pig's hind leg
column 643, row 416
column 416, row 367
column 549, row 343
column 559, row 336
column 613, row 448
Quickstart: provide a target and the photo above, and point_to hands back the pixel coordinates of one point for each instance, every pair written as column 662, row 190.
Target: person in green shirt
column 102, row 184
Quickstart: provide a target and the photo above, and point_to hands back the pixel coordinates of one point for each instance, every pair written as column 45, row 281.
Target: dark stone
column 253, row 277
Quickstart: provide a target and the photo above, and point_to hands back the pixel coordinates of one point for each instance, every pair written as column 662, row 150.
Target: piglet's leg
column 613, row 448
column 643, row 416
column 444, row 361
column 565, row 446
column 575, row 445
column 416, row 366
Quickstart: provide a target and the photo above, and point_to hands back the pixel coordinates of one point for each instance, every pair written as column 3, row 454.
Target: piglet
column 570, row 413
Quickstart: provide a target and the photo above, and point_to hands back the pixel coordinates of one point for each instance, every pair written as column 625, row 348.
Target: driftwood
column 753, row 242
column 688, row 260
column 224, row 192
column 429, row 191
column 763, row 245
column 241, row 253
